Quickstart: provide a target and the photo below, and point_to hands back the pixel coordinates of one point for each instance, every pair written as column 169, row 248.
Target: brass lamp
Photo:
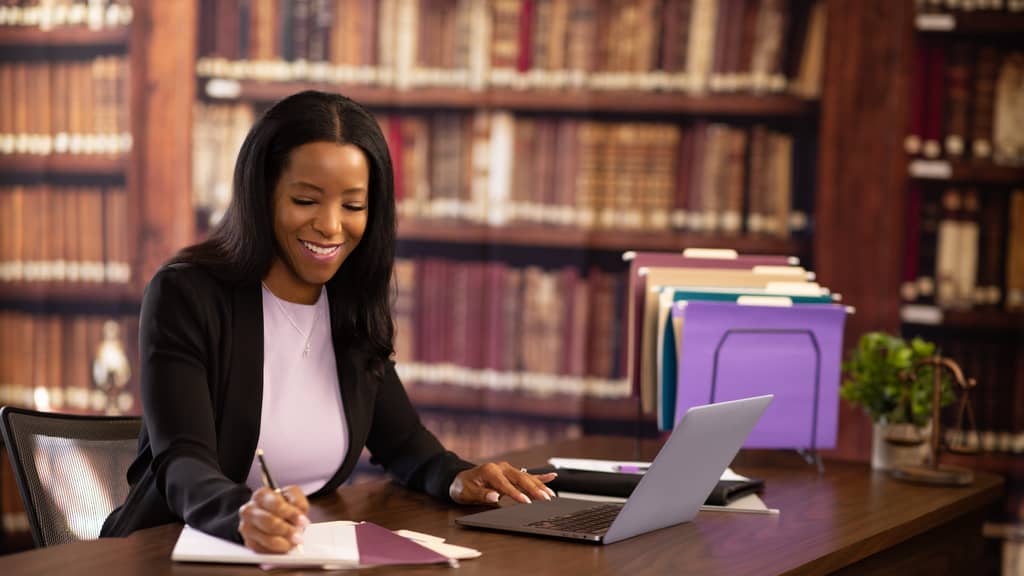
column 111, row 371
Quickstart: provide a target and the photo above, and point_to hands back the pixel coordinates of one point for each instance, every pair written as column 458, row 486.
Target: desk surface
column 828, row 523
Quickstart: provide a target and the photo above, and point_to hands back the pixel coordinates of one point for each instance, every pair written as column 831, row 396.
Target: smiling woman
column 320, row 214
column 309, row 235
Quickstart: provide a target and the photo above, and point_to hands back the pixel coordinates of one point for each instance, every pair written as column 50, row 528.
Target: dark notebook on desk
column 671, row 492
column 621, row 484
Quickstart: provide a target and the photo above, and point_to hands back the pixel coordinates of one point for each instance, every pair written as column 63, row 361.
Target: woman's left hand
column 486, row 483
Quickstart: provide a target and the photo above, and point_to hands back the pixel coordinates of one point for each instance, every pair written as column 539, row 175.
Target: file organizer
column 687, row 259
column 732, row 351
column 668, row 344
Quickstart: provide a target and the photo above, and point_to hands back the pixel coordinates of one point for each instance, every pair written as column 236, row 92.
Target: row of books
column 489, row 325
column 965, row 248
column 65, row 107
column 995, row 362
column 716, row 325
column 49, row 362
column 498, row 168
column 480, row 436
column 965, row 102
column 64, row 234
column 51, row 14
column 676, row 45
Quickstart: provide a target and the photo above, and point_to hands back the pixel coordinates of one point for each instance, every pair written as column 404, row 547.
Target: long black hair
column 242, row 246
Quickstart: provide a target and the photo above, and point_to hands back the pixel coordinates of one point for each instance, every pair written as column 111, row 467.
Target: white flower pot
column 887, row 456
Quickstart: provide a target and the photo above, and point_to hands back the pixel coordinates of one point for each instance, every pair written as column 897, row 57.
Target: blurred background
column 533, row 142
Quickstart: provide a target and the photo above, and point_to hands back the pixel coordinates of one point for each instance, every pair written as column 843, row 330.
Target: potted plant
column 879, row 377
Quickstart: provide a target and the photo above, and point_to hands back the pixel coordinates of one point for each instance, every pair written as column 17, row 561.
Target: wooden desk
column 848, row 521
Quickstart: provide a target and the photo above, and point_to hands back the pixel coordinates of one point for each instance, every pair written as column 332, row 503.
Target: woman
column 276, row 333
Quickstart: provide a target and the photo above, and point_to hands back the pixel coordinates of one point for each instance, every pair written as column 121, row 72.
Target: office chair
column 70, row 469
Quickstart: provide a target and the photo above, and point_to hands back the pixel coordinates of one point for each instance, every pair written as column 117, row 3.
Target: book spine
column 957, row 99
column 984, row 102
column 932, row 145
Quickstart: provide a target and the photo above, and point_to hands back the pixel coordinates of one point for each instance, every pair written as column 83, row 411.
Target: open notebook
column 339, row 544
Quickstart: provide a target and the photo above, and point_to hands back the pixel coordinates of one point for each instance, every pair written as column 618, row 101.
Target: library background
column 534, row 142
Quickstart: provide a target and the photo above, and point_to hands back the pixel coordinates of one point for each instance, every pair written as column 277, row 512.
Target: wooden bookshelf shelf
column 966, row 172
column 536, row 100
column 1003, row 463
column 79, row 164
column 76, row 292
column 610, row 240
column 981, row 23
column 558, row 406
column 12, row 36
column 981, row 319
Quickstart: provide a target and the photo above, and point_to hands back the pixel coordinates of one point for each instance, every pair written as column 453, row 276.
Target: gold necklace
column 316, row 316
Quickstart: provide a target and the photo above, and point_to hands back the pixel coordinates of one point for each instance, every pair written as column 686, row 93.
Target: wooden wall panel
column 861, row 179
column 164, row 43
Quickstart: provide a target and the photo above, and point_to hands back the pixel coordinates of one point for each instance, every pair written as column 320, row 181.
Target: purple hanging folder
column 730, row 351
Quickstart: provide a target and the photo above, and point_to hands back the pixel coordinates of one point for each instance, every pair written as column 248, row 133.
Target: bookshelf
column 500, row 403
column 962, row 235
column 64, row 164
column 73, row 78
column 982, row 23
column 959, row 171
column 982, row 319
column 242, row 72
column 590, row 240
column 55, row 294
column 76, row 37
column 857, row 165
column 576, row 102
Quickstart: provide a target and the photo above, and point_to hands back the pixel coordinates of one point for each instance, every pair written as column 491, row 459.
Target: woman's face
column 320, row 213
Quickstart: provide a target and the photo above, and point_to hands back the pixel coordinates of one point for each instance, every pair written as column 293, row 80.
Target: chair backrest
column 70, row 469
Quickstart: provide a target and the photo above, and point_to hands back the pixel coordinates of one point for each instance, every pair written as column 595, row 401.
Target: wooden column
column 859, row 235
column 163, row 58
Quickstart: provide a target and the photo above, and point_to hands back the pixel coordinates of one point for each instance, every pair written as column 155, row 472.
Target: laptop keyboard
column 594, row 520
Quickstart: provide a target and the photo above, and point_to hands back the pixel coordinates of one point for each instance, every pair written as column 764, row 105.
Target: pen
column 268, row 481
column 631, row 469
column 768, row 511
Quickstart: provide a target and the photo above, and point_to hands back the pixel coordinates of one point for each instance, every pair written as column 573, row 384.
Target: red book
column 525, row 36
column 936, row 95
column 393, row 134
column 915, row 134
column 680, row 205
column 494, row 319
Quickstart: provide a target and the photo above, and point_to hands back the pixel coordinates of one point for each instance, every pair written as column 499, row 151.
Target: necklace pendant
column 305, row 351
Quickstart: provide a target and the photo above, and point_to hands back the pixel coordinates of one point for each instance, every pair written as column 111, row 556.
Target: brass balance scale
column 932, row 472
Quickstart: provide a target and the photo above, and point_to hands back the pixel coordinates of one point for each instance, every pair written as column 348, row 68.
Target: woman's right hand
column 273, row 521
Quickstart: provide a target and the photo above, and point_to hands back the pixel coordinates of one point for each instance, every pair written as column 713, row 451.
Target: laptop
column 671, row 492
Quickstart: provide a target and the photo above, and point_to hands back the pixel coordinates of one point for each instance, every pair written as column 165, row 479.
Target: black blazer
column 201, row 373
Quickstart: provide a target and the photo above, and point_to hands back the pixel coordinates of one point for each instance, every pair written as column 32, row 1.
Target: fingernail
column 296, row 538
column 550, row 491
column 303, row 521
column 492, row 497
column 525, row 499
column 545, row 495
